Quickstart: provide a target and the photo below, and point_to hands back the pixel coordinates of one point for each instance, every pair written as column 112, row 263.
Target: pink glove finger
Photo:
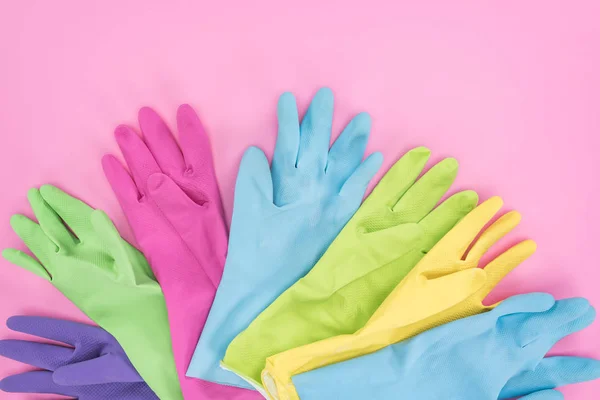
column 161, row 142
column 121, row 182
column 139, row 159
column 194, row 142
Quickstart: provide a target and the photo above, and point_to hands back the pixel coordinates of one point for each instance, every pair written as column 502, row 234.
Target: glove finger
column 315, row 132
column 121, row 183
column 74, row 212
column 254, row 186
column 27, row 262
column 285, row 156
column 419, row 200
column 524, row 303
column 544, row 395
column 36, row 382
column 550, row 373
column 453, row 288
column 454, row 245
column 360, row 178
column 502, row 265
column 400, row 177
column 348, row 150
column 161, row 142
column 553, row 322
column 195, row 144
column 492, row 235
column 68, row 332
column 34, row 238
column 199, row 180
column 444, row 217
column 108, row 368
column 389, row 244
column 50, row 221
column 138, row 157
column 574, row 326
column 40, row 355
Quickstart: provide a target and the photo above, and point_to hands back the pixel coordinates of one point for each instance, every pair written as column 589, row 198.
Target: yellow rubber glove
column 444, row 286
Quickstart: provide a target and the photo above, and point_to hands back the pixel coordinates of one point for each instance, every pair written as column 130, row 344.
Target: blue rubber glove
column 495, row 355
column 284, row 218
column 94, row 368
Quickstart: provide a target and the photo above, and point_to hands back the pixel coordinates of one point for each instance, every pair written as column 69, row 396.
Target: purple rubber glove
column 94, row 368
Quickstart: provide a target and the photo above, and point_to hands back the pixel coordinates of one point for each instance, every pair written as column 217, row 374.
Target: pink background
column 510, row 90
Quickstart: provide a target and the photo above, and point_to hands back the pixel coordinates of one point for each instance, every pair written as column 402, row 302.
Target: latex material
column 81, row 253
column 446, row 284
column 93, row 367
column 494, row 355
column 283, row 219
column 388, row 235
column 172, row 202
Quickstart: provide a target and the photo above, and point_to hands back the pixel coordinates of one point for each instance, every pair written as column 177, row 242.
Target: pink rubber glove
column 173, row 205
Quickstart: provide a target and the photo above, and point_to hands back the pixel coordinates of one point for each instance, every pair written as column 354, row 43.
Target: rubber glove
column 495, row 355
column 386, row 238
column 81, row 253
column 283, row 219
column 94, row 367
column 172, row 202
column 444, row 286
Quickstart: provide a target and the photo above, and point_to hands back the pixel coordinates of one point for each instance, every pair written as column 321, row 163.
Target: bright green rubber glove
column 82, row 254
column 388, row 235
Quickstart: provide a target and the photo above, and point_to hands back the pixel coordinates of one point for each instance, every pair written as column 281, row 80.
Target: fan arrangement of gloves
column 310, row 295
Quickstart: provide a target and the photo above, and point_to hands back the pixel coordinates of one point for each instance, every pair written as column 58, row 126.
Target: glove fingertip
column 47, row 191
column 16, row 322
column 364, row 121
column 325, row 93
column 5, row 385
column 449, row 165
column 21, row 224
column 108, row 161
column 253, row 153
column 122, row 134
column 7, row 254
column 25, row 261
column 286, row 101
column 187, row 115
column 33, row 195
column 421, row 150
column 146, row 113
column 377, row 160
column 469, row 200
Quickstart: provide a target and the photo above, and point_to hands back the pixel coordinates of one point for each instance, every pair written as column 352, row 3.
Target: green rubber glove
column 82, row 254
column 386, row 238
